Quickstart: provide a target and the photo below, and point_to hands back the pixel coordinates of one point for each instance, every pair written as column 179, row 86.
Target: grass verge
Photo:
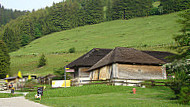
column 103, row 95
column 8, row 95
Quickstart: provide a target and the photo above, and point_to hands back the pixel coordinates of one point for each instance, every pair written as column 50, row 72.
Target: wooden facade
column 120, row 63
column 81, row 74
column 128, row 71
column 83, row 63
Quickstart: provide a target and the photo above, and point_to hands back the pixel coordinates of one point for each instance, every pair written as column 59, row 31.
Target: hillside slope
column 138, row 32
column 150, row 31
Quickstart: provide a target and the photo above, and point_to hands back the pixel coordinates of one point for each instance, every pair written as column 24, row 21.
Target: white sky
column 27, row 4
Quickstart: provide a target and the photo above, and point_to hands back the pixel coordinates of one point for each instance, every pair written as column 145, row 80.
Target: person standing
column 12, row 88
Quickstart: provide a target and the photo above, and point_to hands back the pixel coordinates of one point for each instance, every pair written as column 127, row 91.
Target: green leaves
column 183, row 39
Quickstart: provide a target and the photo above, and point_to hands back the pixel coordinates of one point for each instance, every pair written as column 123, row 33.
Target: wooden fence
column 125, row 82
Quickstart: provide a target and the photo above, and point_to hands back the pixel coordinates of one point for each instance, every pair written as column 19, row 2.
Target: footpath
column 18, row 101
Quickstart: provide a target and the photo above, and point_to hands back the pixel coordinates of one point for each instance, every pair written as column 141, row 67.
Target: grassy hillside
column 151, row 30
column 146, row 33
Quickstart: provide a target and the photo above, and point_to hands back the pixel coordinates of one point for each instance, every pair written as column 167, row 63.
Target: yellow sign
column 7, row 76
column 19, row 74
column 29, row 77
column 61, row 83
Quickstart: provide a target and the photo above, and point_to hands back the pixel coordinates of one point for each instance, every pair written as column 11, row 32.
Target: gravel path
column 18, row 102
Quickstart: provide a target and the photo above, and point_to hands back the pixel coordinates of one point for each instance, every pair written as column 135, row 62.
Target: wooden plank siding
column 128, row 71
column 83, row 73
column 140, row 71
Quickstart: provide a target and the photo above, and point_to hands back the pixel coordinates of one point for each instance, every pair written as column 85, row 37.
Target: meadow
column 109, row 96
column 150, row 31
column 144, row 33
column 27, row 64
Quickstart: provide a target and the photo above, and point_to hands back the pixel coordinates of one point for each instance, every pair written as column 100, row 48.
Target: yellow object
column 29, row 77
column 61, row 83
column 68, row 83
column 7, row 76
column 67, row 68
column 53, row 83
column 19, row 74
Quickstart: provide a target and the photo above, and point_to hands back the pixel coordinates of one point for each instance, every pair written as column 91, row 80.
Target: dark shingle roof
column 127, row 55
column 10, row 78
column 164, row 56
column 90, row 58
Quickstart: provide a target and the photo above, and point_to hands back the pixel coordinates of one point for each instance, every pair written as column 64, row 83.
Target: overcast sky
column 27, row 4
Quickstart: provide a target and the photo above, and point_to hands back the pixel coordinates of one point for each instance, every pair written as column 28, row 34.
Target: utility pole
column 65, row 75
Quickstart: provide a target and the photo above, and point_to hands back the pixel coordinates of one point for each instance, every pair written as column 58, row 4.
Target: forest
column 74, row 13
column 8, row 14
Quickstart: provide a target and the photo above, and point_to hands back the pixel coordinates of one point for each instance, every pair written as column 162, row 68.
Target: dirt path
column 18, row 102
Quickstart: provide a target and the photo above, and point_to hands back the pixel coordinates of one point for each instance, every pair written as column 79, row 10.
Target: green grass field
column 144, row 33
column 107, row 96
column 153, row 30
column 27, row 64
column 7, row 95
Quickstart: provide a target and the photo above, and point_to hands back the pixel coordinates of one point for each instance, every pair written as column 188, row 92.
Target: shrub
column 154, row 11
column 42, row 61
column 181, row 81
column 72, row 50
column 184, row 95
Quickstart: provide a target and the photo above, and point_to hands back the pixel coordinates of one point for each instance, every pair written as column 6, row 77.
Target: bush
column 72, row 50
column 154, row 11
column 184, row 95
column 42, row 61
column 181, row 81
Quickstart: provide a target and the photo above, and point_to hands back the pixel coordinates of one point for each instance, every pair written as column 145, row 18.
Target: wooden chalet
column 13, row 80
column 83, row 63
column 130, row 63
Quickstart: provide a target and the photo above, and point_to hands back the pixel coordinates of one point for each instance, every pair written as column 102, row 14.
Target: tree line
column 8, row 14
column 70, row 14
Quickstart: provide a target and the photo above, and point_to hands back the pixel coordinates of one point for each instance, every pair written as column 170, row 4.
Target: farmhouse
column 129, row 63
column 83, row 63
column 14, row 81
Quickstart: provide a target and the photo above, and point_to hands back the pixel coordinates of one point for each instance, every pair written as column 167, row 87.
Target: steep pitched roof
column 164, row 56
column 90, row 58
column 127, row 55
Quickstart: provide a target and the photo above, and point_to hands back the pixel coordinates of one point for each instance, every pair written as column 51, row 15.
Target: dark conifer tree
column 4, row 60
column 126, row 9
column 170, row 6
column 94, row 11
column 10, row 39
column 7, row 14
column 108, row 11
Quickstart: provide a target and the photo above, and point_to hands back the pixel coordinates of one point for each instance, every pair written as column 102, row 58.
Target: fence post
column 152, row 83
